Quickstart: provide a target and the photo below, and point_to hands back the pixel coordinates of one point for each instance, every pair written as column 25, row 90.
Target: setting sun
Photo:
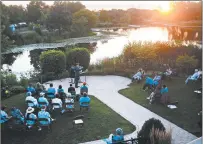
column 164, row 6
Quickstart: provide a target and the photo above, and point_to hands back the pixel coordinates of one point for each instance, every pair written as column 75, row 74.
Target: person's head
column 43, row 108
column 41, row 94
column 164, row 86
column 29, row 94
column 30, row 85
column 30, row 110
column 119, row 131
column 196, row 70
column 51, row 85
column 140, row 70
column 57, row 95
column 84, row 83
column 71, row 85
column 3, row 107
column 60, row 86
column 84, row 94
column 77, row 64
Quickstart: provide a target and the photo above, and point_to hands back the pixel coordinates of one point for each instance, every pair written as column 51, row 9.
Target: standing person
column 72, row 74
column 77, row 69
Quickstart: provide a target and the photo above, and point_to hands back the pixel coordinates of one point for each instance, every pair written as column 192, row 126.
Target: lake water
column 26, row 61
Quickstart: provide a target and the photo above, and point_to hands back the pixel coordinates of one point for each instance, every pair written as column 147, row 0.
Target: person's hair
column 84, row 94
column 57, row 95
column 28, row 114
column 164, row 86
column 3, row 107
column 51, row 85
column 60, row 86
column 71, row 85
column 30, row 84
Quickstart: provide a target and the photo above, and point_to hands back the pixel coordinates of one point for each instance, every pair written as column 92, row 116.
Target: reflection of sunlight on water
column 112, row 48
column 149, row 34
column 21, row 64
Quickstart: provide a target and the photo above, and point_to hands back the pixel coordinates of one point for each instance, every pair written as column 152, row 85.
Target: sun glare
column 164, row 6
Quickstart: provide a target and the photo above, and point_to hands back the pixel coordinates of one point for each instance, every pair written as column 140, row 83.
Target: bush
column 31, row 37
column 17, row 89
column 51, row 76
column 24, row 81
column 53, row 61
column 160, row 137
column 8, row 79
column 144, row 133
column 80, row 55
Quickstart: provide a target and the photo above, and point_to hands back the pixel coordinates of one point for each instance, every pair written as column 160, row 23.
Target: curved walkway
column 105, row 88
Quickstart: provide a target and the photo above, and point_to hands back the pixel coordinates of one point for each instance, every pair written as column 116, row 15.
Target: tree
column 17, row 14
column 74, row 6
column 80, row 55
column 90, row 16
column 53, row 61
column 34, row 11
column 79, row 27
column 59, row 17
column 186, row 62
column 104, row 16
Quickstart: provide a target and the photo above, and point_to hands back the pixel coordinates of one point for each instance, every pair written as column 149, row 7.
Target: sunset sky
column 98, row 5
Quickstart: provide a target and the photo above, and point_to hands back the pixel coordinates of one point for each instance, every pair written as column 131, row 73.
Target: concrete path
column 105, row 88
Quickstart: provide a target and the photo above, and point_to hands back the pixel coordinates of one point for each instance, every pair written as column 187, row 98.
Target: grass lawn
column 99, row 122
column 185, row 116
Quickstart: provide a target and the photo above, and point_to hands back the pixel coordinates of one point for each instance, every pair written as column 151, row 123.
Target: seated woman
column 31, row 89
column 148, row 83
column 118, row 137
column 156, row 80
column 155, row 96
column 16, row 113
column 137, row 76
column 84, row 99
column 58, row 101
column 168, row 72
column 30, row 115
column 44, row 114
column 42, row 99
column 195, row 76
column 69, row 102
column 51, row 91
column 60, row 89
column 83, row 88
column 4, row 115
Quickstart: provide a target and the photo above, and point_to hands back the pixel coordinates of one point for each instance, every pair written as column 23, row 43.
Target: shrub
column 53, row 61
column 160, row 137
column 31, row 37
column 144, row 133
column 8, row 79
column 17, row 89
column 80, row 55
column 24, row 81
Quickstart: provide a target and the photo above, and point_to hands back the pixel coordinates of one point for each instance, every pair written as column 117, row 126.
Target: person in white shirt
column 195, row 76
column 34, row 100
column 168, row 72
column 57, row 100
column 137, row 76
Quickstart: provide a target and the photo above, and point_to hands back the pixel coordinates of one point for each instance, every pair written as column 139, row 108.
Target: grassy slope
column 189, row 105
column 99, row 123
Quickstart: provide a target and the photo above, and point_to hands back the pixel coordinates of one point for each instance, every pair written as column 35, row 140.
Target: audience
column 30, row 115
column 83, row 88
column 42, row 99
column 137, row 76
column 57, row 100
column 164, row 95
column 16, row 113
column 4, row 115
column 34, row 101
column 71, row 89
column 84, row 99
column 60, row 89
column 195, row 76
column 44, row 114
column 118, row 137
column 156, row 79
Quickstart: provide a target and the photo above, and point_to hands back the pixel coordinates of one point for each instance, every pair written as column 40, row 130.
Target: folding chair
column 84, row 105
column 30, row 103
column 73, row 95
column 44, row 122
column 78, row 121
column 50, row 96
column 70, row 106
column 28, row 126
column 56, row 106
column 42, row 104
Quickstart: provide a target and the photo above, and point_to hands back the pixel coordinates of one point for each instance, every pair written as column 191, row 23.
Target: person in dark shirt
column 71, row 89
column 72, row 74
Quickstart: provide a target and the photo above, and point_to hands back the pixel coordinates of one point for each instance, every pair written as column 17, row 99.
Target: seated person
column 195, row 76
column 69, row 102
column 155, row 96
column 148, row 83
column 39, row 88
column 30, row 115
column 57, row 100
column 34, row 100
column 156, row 80
column 4, row 115
column 84, row 99
column 28, row 94
column 51, row 90
column 16, row 113
column 43, row 99
column 60, row 89
column 71, row 89
column 44, row 114
column 137, row 76
column 31, row 89
column 83, row 88
column 168, row 72
column 118, row 137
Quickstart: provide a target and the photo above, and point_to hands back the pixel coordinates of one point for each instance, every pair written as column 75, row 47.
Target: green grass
column 100, row 121
column 185, row 116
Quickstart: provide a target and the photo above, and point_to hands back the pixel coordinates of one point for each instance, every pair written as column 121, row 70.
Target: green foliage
column 160, row 137
column 147, row 128
column 53, row 61
column 8, row 79
column 16, row 13
column 17, row 89
column 90, row 16
column 104, row 16
column 80, row 55
column 24, row 81
column 31, row 37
